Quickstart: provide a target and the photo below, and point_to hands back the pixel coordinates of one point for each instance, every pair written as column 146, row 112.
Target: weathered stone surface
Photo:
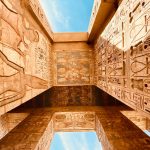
column 9, row 121
column 33, row 59
column 24, row 54
column 86, row 95
column 36, row 131
column 74, row 121
column 122, row 55
column 73, row 64
column 117, row 132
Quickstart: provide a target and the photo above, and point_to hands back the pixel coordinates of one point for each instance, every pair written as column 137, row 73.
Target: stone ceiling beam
column 102, row 13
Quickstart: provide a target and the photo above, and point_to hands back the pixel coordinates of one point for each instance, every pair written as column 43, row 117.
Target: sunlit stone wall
column 122, row 55
column 94, row 12
column 24, row 52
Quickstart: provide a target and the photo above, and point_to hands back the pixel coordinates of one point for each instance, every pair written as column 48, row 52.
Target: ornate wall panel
column 24, row 55
column 72, row 121
column 122, row 55
column 116, row 130
column 73, row 67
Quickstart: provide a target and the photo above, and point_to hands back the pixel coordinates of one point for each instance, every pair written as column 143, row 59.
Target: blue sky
column 68, row 15
column 147, row 132
column 75, row 141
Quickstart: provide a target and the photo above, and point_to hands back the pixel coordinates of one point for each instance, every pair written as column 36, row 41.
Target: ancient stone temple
column 95, row 81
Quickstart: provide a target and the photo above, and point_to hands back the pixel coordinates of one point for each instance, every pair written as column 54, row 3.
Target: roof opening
column 68, row 15
column 75, row 141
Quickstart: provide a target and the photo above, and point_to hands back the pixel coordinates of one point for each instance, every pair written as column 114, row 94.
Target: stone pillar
column 137, row 118
column 9, row 121
column 116, row 132
column 35, row 132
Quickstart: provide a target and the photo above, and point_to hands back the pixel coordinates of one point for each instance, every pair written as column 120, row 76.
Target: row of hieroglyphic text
column 24, row 56
column 96, row 6
column 122, row 55
column 71, row 121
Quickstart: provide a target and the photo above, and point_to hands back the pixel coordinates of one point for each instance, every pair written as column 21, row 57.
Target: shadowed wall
column 73, row 96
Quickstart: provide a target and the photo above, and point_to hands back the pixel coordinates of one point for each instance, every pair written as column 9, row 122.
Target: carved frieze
column 74, row 121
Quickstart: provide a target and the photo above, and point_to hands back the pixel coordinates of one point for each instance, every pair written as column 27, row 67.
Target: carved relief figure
column 73, row 67
column 140, row 58
column 17, row 40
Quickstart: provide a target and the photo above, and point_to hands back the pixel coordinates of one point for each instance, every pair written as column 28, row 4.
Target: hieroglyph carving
column 73, row 67
column 24, row 55
column 74, row 121
column 122, row 55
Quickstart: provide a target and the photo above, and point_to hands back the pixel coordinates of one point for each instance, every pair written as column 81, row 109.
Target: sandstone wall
column 122, row 55
column 36, row 131
column 25, row 47
column 119, row 133
column 73, row 64
column 9, row 121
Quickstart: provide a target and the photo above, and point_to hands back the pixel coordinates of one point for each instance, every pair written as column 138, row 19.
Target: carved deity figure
column 16, row 41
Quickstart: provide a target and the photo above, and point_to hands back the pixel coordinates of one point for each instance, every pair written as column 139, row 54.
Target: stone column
column 116, row 132
column 34, row 133
column 9, row 121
